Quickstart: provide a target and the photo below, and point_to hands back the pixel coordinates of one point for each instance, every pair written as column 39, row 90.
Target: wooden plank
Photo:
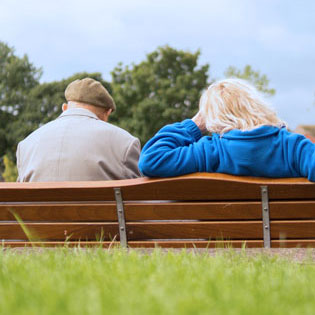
column 250, row 210
column 292, row 229
column 292, row 209
column 220, row 230
column 223, row 244
column 59, row 231
column 60, row 212
column 197, row 244
column 170, row 244
column 95, row 212
column 201, row 186
column 28, row 192
column 133, row 211
column 106, row 244
column 194, row 230
column 161, row 230
column 193, row 211
column 135, row 230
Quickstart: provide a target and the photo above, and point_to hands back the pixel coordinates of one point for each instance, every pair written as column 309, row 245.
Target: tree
column 162, row 89
column 10, row 171
column 17, row 77
column 255, row 77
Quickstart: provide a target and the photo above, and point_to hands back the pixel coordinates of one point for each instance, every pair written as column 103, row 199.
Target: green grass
column 65, row 281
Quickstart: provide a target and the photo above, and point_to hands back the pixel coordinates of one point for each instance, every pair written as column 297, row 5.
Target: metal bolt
column 122, row 228
column 266, row 227
column 265, row 209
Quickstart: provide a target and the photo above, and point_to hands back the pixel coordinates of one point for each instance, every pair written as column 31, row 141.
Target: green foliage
column 164, row 88
column 17, row 77
column 255, row 77
column 65, row 281
column 10, row 171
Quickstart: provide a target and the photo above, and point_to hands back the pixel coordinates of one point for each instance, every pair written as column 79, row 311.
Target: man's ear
column 64, row 106
column 107, row 113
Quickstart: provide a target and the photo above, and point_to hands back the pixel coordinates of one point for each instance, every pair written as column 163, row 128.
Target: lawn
column 74, row 281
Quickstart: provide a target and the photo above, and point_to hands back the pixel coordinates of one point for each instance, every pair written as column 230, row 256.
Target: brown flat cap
column 89, row 91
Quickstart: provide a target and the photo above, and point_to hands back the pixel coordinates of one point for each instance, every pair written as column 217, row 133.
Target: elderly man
column 80, row 144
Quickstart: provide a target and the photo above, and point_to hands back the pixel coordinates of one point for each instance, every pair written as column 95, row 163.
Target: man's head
column 91, row 94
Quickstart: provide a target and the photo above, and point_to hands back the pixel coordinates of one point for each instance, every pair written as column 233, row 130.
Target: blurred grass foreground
column 94, row 281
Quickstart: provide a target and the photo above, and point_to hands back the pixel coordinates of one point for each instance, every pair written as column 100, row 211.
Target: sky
column 275, row 37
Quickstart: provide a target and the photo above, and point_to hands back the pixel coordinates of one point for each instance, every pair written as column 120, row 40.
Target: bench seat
column 196, row 210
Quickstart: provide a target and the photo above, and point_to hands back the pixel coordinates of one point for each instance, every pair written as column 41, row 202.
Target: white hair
column 235, row 104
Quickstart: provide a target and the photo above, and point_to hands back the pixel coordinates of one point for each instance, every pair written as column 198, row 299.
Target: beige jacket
column 78, row 146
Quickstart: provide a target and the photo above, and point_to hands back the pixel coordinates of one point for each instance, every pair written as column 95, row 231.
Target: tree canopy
column 17, row 77
column 162, row 89
column 260, row 81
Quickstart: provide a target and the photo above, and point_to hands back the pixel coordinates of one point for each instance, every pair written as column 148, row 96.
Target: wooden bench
column 201, row 210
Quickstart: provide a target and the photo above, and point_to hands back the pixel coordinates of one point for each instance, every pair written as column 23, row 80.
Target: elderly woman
column 246, row 138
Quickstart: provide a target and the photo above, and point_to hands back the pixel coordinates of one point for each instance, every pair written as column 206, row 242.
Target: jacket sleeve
column 304, row 157
column 131, row 159
column 175, row 150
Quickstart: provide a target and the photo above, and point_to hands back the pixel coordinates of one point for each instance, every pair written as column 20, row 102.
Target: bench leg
column 121, row 218
column 265, row 216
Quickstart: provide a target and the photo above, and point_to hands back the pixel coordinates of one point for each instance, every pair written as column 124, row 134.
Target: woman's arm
column 304, row 156
column 176, row 149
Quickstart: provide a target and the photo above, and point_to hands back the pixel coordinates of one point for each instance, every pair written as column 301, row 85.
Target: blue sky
column 275, row 37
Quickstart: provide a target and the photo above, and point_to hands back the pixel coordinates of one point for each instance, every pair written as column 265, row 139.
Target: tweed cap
column 89, row 91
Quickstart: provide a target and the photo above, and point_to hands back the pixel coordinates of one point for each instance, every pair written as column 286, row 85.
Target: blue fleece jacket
column 267, row 151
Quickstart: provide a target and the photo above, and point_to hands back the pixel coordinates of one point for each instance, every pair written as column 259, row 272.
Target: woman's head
column 234, row 104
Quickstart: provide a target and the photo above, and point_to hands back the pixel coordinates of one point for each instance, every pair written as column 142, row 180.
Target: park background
column 155, row 58
column 169, row 52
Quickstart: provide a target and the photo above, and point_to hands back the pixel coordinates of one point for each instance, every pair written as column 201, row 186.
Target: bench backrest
column 202, row 210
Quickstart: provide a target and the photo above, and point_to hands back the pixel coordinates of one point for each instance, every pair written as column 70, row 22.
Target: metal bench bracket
column 121, row 217
column 265, row 216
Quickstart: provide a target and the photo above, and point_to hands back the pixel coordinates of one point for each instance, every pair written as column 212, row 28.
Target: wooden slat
column 59, row 231
column 133, row 211
column 171, row 244
column 220, row 230
column 61, row 212
column 201, row 186
column 28, row 192
column 292, row 229
column 292, row 209
column 94, row 212
column 83, row 244
column 193, row 211
column 161, row 230
column 135, row 230
column 194, row 230
column 219, row 210
column 223, row 244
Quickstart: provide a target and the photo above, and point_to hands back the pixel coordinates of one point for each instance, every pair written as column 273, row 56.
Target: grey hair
column 235, row 104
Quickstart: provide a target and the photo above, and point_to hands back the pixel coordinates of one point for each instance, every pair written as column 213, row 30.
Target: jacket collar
column 260, row 132
column 78, row 112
